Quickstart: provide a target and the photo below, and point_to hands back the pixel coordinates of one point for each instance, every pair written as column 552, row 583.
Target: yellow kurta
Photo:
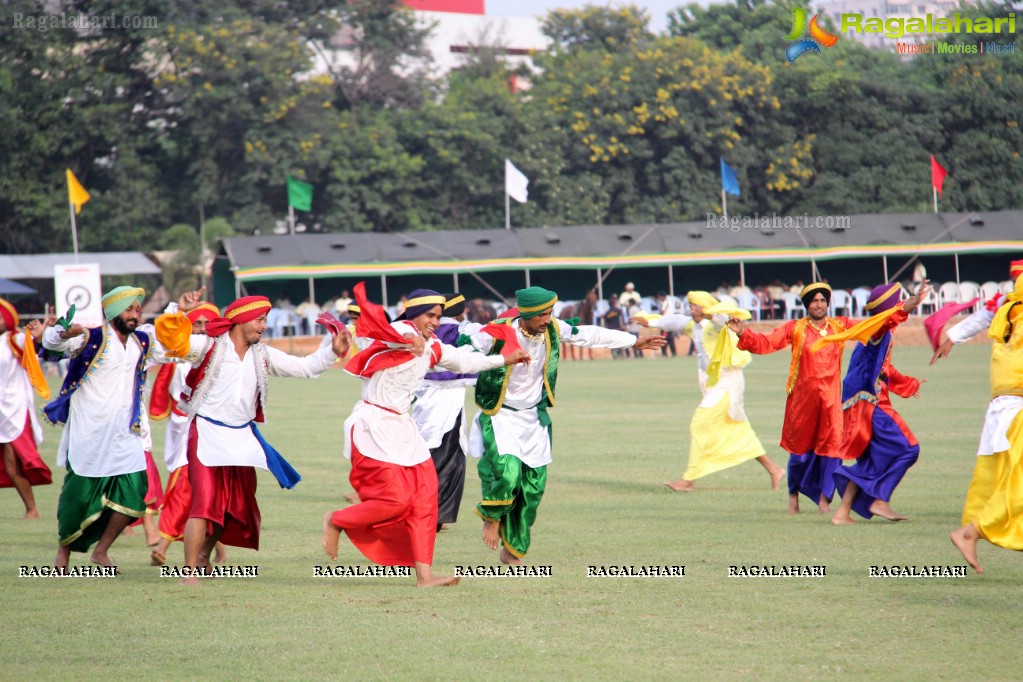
column 720, row 435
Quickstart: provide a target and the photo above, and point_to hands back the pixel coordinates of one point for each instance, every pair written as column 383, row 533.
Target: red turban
column 245, row 309
column 1015, row 269
column 10, row 316
column 204, row 309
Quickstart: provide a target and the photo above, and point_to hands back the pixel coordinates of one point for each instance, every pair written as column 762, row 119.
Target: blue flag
column 729, row 182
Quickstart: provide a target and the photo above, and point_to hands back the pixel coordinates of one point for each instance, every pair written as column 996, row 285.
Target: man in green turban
column 101, row 446
column 511, row 435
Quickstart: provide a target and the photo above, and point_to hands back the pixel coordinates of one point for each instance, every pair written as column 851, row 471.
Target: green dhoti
column 512, row 492
column 86, row 504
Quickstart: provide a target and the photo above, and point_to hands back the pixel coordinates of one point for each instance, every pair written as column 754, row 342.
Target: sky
column 657, row 9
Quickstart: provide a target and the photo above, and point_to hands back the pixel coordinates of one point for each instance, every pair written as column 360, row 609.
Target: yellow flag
column 75, row 192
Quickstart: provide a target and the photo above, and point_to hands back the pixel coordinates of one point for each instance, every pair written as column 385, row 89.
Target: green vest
column 493, row 384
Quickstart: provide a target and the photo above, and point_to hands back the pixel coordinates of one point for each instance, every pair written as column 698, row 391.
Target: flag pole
column 724, row 206
column 935, row 190
column 202, row 248
column 507, row 208
column 74, row 230
column 291, row 218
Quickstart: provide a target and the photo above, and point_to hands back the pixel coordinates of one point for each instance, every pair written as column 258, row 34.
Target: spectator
column 308, row 311
column 614, row 319
column 629, row 296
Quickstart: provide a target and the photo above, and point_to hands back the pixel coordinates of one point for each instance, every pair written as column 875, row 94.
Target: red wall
column 459, row 6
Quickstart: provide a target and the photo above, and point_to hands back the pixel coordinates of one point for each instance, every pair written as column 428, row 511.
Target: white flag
column 515, row 183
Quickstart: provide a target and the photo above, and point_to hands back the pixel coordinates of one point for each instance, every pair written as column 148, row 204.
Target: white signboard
column 79, row 284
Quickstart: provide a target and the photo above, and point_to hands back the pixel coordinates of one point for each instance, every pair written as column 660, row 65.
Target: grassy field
column 621, row 428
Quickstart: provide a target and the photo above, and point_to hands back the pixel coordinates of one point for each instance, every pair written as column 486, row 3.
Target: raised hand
column 736, row 325
column 190, row 299
column 649, row 343
column 74, row 330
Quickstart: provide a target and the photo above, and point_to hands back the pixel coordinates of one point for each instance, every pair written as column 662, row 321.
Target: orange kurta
column 813, row 410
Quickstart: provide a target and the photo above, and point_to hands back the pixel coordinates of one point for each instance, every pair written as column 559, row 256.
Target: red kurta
column 813, row 410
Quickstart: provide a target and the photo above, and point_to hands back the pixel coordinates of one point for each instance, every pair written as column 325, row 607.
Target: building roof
column 744, row 239
column 40, row 266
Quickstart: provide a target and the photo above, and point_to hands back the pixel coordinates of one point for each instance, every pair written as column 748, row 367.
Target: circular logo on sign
column 78, row 296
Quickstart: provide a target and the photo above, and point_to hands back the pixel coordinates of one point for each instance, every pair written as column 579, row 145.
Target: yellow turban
column 701, row 298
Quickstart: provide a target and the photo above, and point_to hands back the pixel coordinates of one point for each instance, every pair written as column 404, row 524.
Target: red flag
column 506, row 333
column 937, row 174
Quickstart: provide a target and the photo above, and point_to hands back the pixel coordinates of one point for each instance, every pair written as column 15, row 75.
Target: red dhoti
column 224, row 496
column 395, row 524
column 177, row 503
column 154, row 488
column 25, row 452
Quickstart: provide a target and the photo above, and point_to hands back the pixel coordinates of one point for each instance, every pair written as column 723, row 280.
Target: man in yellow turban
column 994, row 502
column 720, row 435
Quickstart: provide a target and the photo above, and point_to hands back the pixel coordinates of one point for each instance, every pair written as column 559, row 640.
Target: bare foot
column 885, row 511
column 31, row 514
column 680, row 486
column 965, row 540
column 509, row 558
column 840, row 519
column 351, row 498
column 776, row 476
column 491, row 533
column 103, row 559
column 438, row 581
column 157, row 558
column 219, row 553
column 794, row 504
column 63, row 556
column 190, row 580
column 331, row 536
column 824, row 507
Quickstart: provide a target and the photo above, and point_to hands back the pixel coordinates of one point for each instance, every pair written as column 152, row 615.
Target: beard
column 125, row 327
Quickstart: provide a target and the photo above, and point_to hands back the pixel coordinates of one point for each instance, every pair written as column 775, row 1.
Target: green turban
column 534, row 301
column 119, row 299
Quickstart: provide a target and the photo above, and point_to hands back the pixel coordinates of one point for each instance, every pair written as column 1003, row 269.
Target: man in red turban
column 224, row 398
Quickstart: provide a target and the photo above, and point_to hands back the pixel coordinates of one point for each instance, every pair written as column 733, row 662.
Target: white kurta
column 16, row 401
column 518, row 432
column 232, row 400
column 175, row 444
column 391, row 435
column 1000, row 414
column 98, row 440
column 970, row 326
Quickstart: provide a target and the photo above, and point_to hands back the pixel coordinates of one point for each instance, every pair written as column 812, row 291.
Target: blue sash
column 278, row 466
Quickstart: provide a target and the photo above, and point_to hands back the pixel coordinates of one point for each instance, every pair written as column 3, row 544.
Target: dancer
column 511, row 435
column 226, row 396
column 395, row 524
column 994, row 504
column 20, row 432
column 875, row 435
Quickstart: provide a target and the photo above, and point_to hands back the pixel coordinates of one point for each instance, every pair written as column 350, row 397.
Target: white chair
column 841, row 300
column 1006, row 286
column 793, row 306
column 969, row 291
column 989, row 290
column 750, row 302
column 948, row 293
column 860, row 295
column 929, row 304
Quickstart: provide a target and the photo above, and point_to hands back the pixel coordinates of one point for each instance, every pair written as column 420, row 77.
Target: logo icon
column 818, row 36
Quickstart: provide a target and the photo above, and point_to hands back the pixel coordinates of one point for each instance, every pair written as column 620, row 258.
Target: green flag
column 300, row 194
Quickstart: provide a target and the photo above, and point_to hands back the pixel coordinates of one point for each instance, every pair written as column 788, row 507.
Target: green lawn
column 621, row 428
